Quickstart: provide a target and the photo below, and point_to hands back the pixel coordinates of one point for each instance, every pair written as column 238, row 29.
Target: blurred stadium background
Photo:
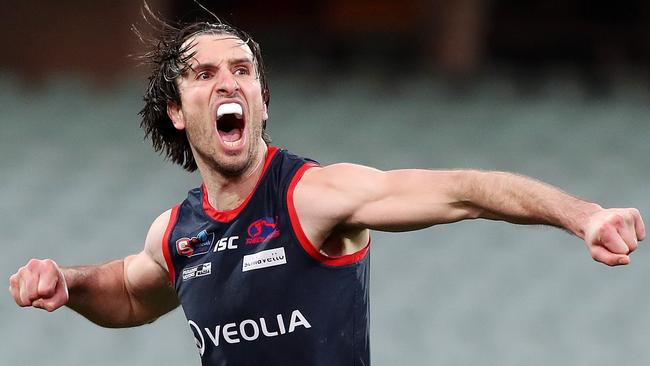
column 555, row 90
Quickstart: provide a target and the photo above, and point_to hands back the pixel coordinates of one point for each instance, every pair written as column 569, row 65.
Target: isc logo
column 226, row 243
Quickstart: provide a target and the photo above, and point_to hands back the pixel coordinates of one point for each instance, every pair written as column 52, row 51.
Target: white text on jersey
column 248, row 329
column 226, row 243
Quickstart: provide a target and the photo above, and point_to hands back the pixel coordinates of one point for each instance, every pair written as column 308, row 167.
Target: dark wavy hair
column 168, row 58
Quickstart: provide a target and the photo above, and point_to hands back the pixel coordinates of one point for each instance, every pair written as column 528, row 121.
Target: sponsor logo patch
column 196, row 245
column 264, row 259
column 226, row 243
column 248, row 330
column 262, row 230
column 197, row 271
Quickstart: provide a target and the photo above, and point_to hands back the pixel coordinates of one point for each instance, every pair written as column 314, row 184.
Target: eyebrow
column 210, row 65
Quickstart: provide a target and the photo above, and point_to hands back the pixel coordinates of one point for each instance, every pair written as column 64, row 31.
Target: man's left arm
column 344, row 197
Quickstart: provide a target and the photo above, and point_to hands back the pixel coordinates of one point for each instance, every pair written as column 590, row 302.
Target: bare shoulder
column 336, row 175
column 326, row 197
column 344, row 182
column 153, row 242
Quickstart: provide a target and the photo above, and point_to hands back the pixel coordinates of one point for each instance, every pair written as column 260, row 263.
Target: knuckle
column 603, row 232
column 21, row 271
column 619, row 220
column 50, row 264
column 616, row 221
column 33, row 263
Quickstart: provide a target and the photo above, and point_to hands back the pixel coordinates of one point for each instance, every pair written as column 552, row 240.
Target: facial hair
column 226, row 166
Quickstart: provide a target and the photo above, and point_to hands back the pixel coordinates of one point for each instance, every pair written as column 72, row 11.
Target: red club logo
column 262, row 230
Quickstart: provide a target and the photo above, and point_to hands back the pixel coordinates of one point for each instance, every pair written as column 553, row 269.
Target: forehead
column 214, row 48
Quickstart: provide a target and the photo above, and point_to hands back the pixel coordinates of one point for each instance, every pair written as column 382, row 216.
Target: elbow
column 469, row 211
column 467, row 190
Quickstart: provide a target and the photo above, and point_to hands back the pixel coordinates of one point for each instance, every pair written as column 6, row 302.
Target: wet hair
column 168, row 57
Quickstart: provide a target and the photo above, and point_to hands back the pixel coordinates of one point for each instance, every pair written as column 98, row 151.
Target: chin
column 232, row 166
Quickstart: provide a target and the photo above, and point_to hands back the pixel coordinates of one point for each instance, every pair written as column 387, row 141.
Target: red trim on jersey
column 302, row 238
column 165, row 243
column 226, row 216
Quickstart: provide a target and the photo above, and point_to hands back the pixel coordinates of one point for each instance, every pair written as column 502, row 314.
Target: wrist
column 72, row 278
column 581, row 225
column 64, row 280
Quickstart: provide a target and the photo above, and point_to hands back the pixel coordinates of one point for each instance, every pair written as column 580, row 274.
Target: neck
column 228, row 192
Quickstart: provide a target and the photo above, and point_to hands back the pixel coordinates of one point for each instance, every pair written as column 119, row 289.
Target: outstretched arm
column 344, row 197
column 123, row 293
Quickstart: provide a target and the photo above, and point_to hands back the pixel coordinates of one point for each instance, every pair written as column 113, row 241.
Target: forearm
column 523, row 200
column 99, row 293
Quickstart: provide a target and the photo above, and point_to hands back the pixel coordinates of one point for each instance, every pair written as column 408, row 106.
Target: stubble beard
column 231, row 166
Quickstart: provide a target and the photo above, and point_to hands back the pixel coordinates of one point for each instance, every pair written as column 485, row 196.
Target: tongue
column 231, row 136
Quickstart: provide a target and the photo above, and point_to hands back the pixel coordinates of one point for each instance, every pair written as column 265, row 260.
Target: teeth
column 229, row 108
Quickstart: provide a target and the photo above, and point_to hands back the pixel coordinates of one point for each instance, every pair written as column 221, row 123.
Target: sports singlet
column 254, row 289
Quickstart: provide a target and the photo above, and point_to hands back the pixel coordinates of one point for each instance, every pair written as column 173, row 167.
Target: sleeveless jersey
column 255, row 291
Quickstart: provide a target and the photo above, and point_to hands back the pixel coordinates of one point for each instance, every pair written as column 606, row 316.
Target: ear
column 266, row 98
column 175, row 113
column 265, row 112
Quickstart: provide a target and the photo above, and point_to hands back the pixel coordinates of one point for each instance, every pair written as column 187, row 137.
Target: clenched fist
column 612, row 234
column 41, row 284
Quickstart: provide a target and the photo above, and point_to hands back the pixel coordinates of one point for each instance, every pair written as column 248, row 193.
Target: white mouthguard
column 229, row 108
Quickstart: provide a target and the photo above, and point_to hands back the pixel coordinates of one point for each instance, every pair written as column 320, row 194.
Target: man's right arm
column 123, row 293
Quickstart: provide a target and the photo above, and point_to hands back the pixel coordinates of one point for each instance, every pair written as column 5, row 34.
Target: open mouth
column 230, row 123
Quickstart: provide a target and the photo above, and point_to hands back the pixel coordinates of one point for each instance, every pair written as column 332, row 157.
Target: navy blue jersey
column 255, row 291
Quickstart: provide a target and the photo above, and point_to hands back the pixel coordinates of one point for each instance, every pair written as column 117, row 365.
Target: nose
column 227, row 84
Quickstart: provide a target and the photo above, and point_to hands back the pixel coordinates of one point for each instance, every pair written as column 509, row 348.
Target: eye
column 241, row 71
column 203, row 75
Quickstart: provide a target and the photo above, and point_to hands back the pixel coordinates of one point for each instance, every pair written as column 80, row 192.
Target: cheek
column 195, row 95
column 195, row 108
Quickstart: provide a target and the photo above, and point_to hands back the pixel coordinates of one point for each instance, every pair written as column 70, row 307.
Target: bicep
column 412, row 199
column 146, row 276
column 398, row 200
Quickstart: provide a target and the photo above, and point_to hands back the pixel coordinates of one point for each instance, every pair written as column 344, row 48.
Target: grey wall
column 77, row 184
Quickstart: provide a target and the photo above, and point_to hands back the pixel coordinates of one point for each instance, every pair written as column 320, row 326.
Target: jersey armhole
column 305, row 243
column 165, row 244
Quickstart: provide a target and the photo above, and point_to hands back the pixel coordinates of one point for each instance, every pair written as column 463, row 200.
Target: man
column 269, row 257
